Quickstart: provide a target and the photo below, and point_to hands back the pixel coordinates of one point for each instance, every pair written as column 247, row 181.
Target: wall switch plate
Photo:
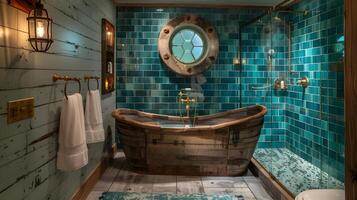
column 20, row 109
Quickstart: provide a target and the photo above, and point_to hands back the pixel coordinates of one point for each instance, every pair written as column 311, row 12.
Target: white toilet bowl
column 322, row 194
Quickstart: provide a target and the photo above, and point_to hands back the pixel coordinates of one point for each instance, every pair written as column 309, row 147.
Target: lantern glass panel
column 31, row 28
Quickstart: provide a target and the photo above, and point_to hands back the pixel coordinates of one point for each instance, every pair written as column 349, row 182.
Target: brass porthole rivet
column 189, row 70
column 166, row 31
column 166, row 56
column 211, row 58
column 210, row 30
column 188, row 18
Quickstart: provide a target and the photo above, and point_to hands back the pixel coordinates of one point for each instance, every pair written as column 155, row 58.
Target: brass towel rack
column 57, row 77
column 88, row 78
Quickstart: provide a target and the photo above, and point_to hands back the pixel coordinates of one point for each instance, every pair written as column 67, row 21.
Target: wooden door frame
column 350, row 99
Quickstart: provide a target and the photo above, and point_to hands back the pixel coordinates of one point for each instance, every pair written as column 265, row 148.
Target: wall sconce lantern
column 39, row 28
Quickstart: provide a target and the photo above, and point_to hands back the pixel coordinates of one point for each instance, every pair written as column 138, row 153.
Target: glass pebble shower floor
column 295, row 173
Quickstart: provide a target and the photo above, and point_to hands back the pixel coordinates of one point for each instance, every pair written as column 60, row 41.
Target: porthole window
column 188, row 45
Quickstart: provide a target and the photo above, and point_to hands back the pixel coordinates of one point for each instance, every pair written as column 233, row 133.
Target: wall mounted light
column 39, row 28
column 106, row 85
column 109, row 37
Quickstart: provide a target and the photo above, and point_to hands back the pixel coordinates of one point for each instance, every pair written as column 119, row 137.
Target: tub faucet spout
column 188, row 101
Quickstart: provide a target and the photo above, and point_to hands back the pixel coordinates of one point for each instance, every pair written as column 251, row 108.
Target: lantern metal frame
column 40, row 44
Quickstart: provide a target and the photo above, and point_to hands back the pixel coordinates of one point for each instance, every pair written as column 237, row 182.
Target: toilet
column 322, row 194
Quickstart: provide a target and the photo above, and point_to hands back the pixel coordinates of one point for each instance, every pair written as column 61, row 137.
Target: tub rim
column 116, row 114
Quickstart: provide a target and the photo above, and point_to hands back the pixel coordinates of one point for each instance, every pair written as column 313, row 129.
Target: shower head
column 271, row 52
column 276, row 17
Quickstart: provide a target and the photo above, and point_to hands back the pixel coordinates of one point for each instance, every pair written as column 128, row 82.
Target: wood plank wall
column 28, row 148
column 351, row 98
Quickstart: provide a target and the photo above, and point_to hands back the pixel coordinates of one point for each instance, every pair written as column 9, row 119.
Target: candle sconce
column 108, row 68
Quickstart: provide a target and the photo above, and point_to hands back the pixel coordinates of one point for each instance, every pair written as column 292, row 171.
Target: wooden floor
column 118, row 178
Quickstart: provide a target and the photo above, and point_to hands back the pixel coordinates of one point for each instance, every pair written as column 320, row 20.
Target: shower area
column 291, row 61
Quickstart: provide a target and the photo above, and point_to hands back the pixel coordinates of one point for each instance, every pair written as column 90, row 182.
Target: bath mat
column 145, row 196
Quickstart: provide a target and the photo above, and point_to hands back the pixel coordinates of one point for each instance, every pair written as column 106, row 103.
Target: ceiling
column 199, row 2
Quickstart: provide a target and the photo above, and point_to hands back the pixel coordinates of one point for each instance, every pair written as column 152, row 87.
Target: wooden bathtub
column 220, row 144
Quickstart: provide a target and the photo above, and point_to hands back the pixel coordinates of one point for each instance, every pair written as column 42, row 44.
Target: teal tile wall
column 315, row 116
column 145, row 83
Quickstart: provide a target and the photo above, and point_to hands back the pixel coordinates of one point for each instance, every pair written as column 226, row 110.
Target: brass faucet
column 304, row 82
column 188, row 102
column 184, row 98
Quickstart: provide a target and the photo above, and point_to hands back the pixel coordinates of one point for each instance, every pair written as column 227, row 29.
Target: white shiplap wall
column 27, row 167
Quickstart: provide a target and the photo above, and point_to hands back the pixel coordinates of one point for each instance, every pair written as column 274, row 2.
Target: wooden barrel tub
column 219, row 145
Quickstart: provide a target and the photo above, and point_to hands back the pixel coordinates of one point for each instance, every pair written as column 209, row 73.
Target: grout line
column 204, row 189
column 250, row 189
column 115, row 177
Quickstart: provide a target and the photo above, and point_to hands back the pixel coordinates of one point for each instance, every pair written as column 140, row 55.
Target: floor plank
column 257, row 188
column 223, row 182
column 94, row 195
column 140, row 183
column 123, row 178
column 245, row 192
column 189, row 185
column 106, row 180
column 164, row 185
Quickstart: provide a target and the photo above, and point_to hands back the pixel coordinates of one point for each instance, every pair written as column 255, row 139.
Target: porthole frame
column 196, row 23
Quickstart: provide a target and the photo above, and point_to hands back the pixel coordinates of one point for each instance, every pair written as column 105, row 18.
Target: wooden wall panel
column 28, row 147
column 351, row 98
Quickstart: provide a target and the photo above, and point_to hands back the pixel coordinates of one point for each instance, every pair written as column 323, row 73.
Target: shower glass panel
column 302, row 141
column 256, row 79
column 331, row 86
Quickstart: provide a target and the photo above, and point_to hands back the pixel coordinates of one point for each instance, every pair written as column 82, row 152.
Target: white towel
column 93, row 118
column 72, row 152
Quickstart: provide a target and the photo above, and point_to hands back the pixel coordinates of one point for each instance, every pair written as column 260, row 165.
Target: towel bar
column 57, row 77
column 92, row 77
